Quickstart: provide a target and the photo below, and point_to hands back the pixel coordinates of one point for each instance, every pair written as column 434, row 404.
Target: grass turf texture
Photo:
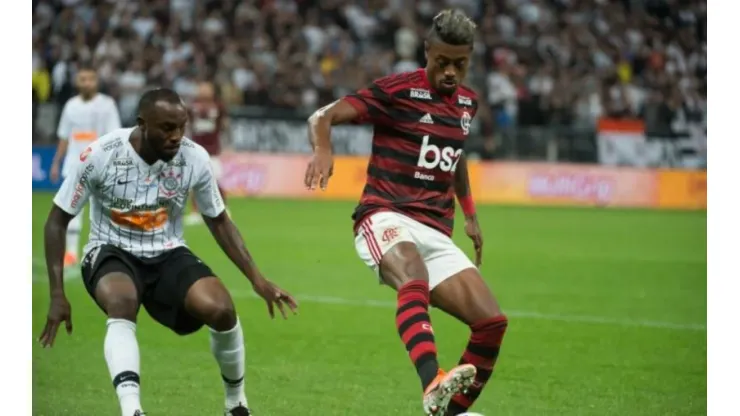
column 607, row 314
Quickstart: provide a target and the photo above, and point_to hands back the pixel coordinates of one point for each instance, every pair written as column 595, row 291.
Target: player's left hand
column 472, row 229
column 319, row 169
column 273, row 295
column 59, row 311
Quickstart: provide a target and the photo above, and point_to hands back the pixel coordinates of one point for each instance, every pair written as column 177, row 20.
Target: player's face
column 447, row 65
column 87, row 82
column 205, row 91
column 163, row 128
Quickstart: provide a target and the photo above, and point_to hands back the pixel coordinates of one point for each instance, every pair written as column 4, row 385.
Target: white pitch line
column 331, row 300
column 511, row 313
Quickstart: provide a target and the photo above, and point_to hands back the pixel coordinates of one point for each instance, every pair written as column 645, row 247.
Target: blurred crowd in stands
column 537, row 62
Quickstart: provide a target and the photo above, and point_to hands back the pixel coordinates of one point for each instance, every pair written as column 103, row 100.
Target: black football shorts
column 162, row 282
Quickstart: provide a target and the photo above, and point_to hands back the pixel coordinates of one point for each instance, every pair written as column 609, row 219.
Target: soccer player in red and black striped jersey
column 404, row 221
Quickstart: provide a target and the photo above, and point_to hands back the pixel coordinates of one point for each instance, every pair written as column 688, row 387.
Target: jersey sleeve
column 65, row 125
column 372, row 103
column 78, row 186
column 206, row 192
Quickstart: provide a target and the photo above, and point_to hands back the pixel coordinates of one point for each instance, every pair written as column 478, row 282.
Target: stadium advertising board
column 682, row 189
column 41, row 164
column 251, row 174
column 291, row 136
column 626, row 143
column 558, row 184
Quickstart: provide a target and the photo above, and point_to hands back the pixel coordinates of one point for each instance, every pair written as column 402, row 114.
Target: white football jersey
column 133, row 205
column 82, row 122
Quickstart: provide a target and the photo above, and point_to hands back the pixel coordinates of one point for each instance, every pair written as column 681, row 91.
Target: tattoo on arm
column 231, row 242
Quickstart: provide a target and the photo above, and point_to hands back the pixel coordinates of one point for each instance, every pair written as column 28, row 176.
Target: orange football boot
column 445, row 386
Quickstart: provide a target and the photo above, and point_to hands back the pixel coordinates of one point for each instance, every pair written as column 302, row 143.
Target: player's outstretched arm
column 68, row 202
column 321, row 166
column 55, row 230
column 231, row 242
column 465, row 197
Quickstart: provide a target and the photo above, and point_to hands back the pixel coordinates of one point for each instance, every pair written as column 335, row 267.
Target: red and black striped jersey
column 418, row 138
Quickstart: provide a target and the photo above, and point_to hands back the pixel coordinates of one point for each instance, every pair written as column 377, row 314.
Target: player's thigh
column 111, row 277
column 186, row 295
column 466, row 296
column 386, row 244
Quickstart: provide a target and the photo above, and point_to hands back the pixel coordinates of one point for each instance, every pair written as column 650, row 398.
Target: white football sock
column 122, row 356
column 228, row 349
column 73, row 235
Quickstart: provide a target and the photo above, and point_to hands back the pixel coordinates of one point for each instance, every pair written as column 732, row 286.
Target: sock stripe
column 126, row 377
column 425, row 358
column 483, row 350
column 419, row 317
column 415, row 329
column 232, row 383
column 417, row 339
column 484, row 372
column 411, row 304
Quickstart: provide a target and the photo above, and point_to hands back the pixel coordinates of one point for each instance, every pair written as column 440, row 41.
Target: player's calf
column 481, row 351
column 466, row 296
column 208, row 300
column 402, row 268
column 117, row 295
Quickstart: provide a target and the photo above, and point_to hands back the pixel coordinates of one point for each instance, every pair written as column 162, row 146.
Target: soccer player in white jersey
column 138, row 181
column 85, row 117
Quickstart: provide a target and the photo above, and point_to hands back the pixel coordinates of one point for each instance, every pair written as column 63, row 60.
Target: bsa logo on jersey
column 85, row 153
column 463, row 100
column 465, row 122
column 420, row 94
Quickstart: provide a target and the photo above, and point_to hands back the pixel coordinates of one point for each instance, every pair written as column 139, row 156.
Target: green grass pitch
column 607, row 314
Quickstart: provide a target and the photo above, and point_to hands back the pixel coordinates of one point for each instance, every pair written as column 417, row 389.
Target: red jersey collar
column 451, row 99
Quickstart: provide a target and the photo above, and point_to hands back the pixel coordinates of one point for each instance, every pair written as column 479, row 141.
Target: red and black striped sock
column 482, row 351
column 415, row 329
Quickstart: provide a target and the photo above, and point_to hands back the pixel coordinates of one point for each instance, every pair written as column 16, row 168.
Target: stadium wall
column 281, row 175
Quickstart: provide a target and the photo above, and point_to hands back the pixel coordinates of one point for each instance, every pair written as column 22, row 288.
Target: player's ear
column 426, row 49
column 141, row 123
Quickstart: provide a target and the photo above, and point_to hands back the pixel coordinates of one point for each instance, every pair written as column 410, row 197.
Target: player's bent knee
column 117, row 295
column 123, row 306
column 220, row 316
column 210, row 302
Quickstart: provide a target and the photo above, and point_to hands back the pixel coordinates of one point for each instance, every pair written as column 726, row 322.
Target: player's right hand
column 320, row 169
column 273, row 295
column 54, row 174
column 59, row 311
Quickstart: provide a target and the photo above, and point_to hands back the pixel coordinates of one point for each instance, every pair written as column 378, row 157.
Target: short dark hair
column 452, row 26
column 86, row 66
column 151, row 97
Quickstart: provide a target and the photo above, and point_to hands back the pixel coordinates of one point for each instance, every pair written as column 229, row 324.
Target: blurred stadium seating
column 548, row 69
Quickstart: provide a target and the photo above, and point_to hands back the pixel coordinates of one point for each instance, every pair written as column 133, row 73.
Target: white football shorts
column 379, row 232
